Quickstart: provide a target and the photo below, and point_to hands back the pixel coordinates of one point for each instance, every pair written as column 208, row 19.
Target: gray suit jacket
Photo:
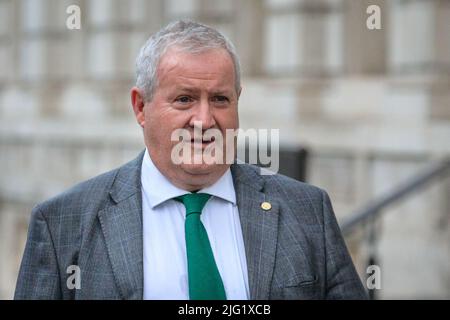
column 294, row 250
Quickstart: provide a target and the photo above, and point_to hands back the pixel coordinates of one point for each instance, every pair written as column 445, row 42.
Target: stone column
column 364, row 49
column 248, row 28
column 6, row 40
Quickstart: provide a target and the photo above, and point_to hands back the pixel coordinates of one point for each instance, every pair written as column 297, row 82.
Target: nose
column 203, row 114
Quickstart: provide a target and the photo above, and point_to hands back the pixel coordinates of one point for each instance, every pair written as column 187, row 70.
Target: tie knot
column 193, row 202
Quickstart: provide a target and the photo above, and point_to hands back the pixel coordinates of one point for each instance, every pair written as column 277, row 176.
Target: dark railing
column 368, row 215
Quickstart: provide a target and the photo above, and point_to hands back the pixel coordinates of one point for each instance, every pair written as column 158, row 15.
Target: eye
column 184, row 99
column 221, row 99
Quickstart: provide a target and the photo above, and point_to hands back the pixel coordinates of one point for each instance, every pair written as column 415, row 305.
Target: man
column 156, row 228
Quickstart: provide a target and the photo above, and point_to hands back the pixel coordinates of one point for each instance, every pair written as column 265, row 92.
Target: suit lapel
column 259, row 229
column 121, row 224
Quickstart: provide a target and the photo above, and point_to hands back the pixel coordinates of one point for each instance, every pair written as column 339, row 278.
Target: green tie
column 204, row 278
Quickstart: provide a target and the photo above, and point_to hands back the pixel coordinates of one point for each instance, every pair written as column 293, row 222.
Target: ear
column 138, row 103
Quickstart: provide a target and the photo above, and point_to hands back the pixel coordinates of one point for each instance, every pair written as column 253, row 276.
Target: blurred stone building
column 371, row 106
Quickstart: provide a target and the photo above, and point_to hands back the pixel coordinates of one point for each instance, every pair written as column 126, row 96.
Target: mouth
column 202, row 142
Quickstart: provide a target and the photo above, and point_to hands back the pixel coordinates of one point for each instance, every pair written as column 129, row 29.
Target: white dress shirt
column 165, row 261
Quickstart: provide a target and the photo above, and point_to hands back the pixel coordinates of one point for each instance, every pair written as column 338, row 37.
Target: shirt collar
column 158, row 189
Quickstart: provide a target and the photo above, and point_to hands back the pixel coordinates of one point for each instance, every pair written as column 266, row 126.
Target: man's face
column 193, row 90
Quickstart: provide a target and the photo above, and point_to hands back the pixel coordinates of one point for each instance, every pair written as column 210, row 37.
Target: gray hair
column 188, row 36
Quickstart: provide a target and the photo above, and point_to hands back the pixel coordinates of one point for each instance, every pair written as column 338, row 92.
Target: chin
column 200, row 169
column 204, row 174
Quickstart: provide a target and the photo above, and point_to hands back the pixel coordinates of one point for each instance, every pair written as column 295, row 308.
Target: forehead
column 211, row 65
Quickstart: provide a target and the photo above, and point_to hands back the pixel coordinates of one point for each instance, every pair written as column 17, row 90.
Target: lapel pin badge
column 266, row 206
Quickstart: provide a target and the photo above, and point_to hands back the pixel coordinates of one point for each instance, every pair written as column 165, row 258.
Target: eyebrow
column 185, row 89
column 221, row 92
column 195, row 90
